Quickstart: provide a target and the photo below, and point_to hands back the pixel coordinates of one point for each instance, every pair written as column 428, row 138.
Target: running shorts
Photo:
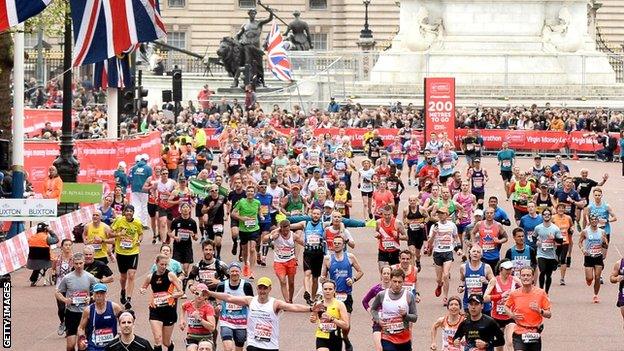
column 127, row 262
column 183, row 254
column 562, row 253
column 506, row 175
column 72, row 321
column 246, row 237
column 593, row 261
column 440, row 257
column 288, row 268
column 390, row 257
column 416, row 238
column 520, row 345
column 239, row 336
column 167, row 315
column 313, row 261
column 390, row 346
column 333, row 343
column 152, row 209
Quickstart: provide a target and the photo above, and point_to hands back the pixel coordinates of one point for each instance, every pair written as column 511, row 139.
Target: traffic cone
column 575, row 155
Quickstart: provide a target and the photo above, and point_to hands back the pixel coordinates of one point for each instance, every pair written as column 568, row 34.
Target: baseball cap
column 42, row 226
column 506, row 265
column 478, row 213
column 262, row 183
column 99, row 287
column 328, row 203
column 201, row 287
column 265, row 281
column 476, row 298
column 476, row 160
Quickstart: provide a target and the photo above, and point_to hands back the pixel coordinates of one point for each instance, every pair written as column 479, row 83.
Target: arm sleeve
column 106, row 271
column 248, row 289
column 375, row 306
column 412, row 314
column 368, row 297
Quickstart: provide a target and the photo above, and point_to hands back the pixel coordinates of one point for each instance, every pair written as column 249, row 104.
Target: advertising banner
column 27, row 209
column 83, row 193
column 440, row 106
column 35, row 120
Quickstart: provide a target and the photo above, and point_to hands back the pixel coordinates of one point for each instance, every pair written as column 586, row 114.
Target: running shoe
column 234, row 247
column 561, row 281
column 307, row 298
column 418, row 266
column 128, row 305
column 371, row 223
column 438, row 291
column 596, row 299
column 246, row 271
column 61, row 329
column 122, row 297
column 601, row 280
column 348, row 346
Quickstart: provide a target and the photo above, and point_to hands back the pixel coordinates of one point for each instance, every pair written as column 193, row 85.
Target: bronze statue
column 299, row 39
column 232, row 56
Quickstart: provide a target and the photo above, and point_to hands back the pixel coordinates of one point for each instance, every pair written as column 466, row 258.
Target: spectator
column 52, row 185
column 139, row 174
column 39, row 258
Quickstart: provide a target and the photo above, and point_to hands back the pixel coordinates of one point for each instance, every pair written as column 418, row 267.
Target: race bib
column 447, row 166
column 595, row 250
column 263, row 332
column 530, row 337
column 126, row 243
column 250, row 223
column 415, row 226
column 548, row 245
column 267, row 157
column 393, row 325
column 205, row 274
column 193, row 322
column 285, row 252
column 474, row 283
column 184, row 234
column 500, row 309
column 469, row 147
column 217, row 228
column 341, row 296
column 96, row 247
column 444, row 243
column 602, row 222
column 488, row 245
column 374, row 154
column 80, row 297
column 233, row 162
column 477, row 183
column 104, row 335
column 340, row 205
column 314, row 240
column 233, row 307
column 388, row 244
column 327, row 327
column 264, row 210
column 161, row 298
column 506, row 163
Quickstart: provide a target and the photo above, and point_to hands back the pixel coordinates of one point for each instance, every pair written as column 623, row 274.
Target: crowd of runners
column 289, row 198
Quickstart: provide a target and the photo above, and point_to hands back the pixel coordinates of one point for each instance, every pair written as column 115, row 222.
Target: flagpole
column 17, row 185
column 112, row 113
column 299, row 94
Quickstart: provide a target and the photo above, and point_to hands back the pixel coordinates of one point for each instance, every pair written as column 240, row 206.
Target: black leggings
column 61, row 310
column 546, row 267
column 34, row 276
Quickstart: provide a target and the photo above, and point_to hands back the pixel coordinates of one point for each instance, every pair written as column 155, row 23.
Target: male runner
column 521, row 255
column 233, row 318
column 99, row 269
column 128, row 234
column 478, row 331
column 592, row 241
column 127, row 340
column 247, row 213
column 285, row 258
column 506, row 158
column 415, row 217
column 214, row 208
column 546, row 235
column 388, row 233
column 474, row 276
column 98, row 325
column 489, row 235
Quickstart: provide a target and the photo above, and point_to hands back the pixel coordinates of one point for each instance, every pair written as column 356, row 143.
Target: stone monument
column 494, row 42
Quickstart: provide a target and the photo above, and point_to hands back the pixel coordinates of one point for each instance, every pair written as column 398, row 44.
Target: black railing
column 614, row 54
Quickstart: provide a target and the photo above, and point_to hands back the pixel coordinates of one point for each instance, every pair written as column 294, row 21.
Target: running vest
column 389, row 240
column 473, row 284
column 451, row 207
column 466, row 202
column 162, row 288
column 294, row 205
column 520, row 191
column 395, row 329
column 339, row 272
column 232, row 315
column 263, row 325
column 101, row 328
column 101, row 249
column 314, row 236
column 602, row 212
column 326, row 326
column 330, row 234
column 448, row 332
column 520, row 259
column 236, row 157
column 340, row 166
column 415, row 220
column 107, row 216
column 487, row 234
column 498, row 306
column 563, row 223
column 340, row 201
column 593, row 243
column 543, row 204
column 284, row 249
column 477, row 181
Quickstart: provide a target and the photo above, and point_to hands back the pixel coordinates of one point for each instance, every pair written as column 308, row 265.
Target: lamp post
column 66, row 164
column 366, row 41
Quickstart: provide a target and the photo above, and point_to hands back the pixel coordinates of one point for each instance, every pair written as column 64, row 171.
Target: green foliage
column 52, row 19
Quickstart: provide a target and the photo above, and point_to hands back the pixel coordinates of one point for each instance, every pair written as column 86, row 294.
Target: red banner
column 440, row 106
column 35, row 120
column 98, row 158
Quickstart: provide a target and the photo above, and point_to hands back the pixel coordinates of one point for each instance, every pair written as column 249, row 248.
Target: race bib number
column 263, row 332
column 233, row 307
column 314, row 240
column 96, row 247
column 217, row 228
column 500, row 309
column 285, row 252
column 530, row 337
column 206, row 274
column 233, row 162
column 340, row 205
column 184, row 234
column 393, row 325
column 161, row 298
column 602, row 222
column 250, row 223
column 444, row 243
column 415, row 226
column 327, row 327
column 193, row 322
column 388, row 244
column 473, row 283
column 595, row 250
column 548, row 245
column 104, row 335
column 126, row 243
column 80, row 298
column 264, row 210
column 477, row 183
column 469, row 147
column 341, row 296
column 447, row 166
column 506, row 163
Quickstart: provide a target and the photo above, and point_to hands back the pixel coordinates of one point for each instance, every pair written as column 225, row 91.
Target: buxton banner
column 440, row 106
column 27, row 209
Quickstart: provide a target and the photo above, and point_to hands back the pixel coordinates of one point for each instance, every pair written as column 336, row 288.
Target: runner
column 389, row 233
column 617, row 277
column 384, row 284
column 106, row 208
column 173, row 266
column 429, row 170
column 60, row 268
column 443, row 240
column 521, row 191
column 234, row 197
column 332, row 321
column 247, row 213
column 497, row 292
column 97, row 268
column 474, row 276
column 233, row 318
column 468, row 202
column 339, row 266
column 394, row 309
column 543, row 199
column 520, row 254
column 164, row 187
column 447, row 159
column 500, row 215
column 470, row 147
column 411, row 273
column 538, row 170
column 98, row 324
column 97, row 234
column 547, row 234
column 263, row 324
column 285, row 258
column 448, row 324
column 478, row 178
column 478, row 331
column 529, row 221
column 397, row 152
column 570, row 197
column 152, row 202
column 566, row 226
column 234, row 157
column 314, row 247
column 415, row 217
column 528, row 306
column 506, row 158
column 128, row 234
column 73, row 291
column 592, row 241
column 199, row 318
column 266, row 225
column 180, row 195
column 489, row 235
column 213, row 208
column 412, row 146
column 166, row 289
column 209, row 270
column 605, row 215
column 184, row 229
column 127, row 340
column 337, row 227
column 343, row 200
column 382, row 197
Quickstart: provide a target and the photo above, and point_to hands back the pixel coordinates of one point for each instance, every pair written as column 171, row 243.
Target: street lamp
column 366, row 33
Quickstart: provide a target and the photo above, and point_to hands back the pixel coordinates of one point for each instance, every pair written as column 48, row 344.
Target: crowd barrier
column 493, row 139
column 98, row 158
column 14, row 251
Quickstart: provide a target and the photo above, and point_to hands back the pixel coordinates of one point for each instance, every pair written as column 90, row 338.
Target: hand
column 483, row 279
column 325, row 316
column 67, row 301
column 82, row 343
column 142, row 291
column 176, row 238
column 457, row 343
column 417, row 298
column 196, row 315
column 605, row 176
column 460, row 289
column 460, row 252
column 534, row 307
column 349, row 282
column 480, row 344
column 182, row 325
column 402, row 311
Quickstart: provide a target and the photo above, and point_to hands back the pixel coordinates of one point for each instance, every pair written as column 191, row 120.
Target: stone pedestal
column 494, row 42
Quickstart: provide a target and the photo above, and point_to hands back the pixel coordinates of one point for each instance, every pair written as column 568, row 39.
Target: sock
column 170, row 347
column 568, row 261
column 158, row 348
column 265, row 250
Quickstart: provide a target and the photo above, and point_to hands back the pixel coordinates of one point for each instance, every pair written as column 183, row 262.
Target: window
column 318, row 4
column 319, row 41
column 177, row 39
column 30, row 40
column 247, row 4
column 176, row 3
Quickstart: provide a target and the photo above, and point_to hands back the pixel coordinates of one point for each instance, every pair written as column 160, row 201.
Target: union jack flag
column 105, row 28
column 113, row 73
column 13, row 12
column 277, row 57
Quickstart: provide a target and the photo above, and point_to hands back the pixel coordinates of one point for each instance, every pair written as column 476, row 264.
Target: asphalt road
column 576, row 324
